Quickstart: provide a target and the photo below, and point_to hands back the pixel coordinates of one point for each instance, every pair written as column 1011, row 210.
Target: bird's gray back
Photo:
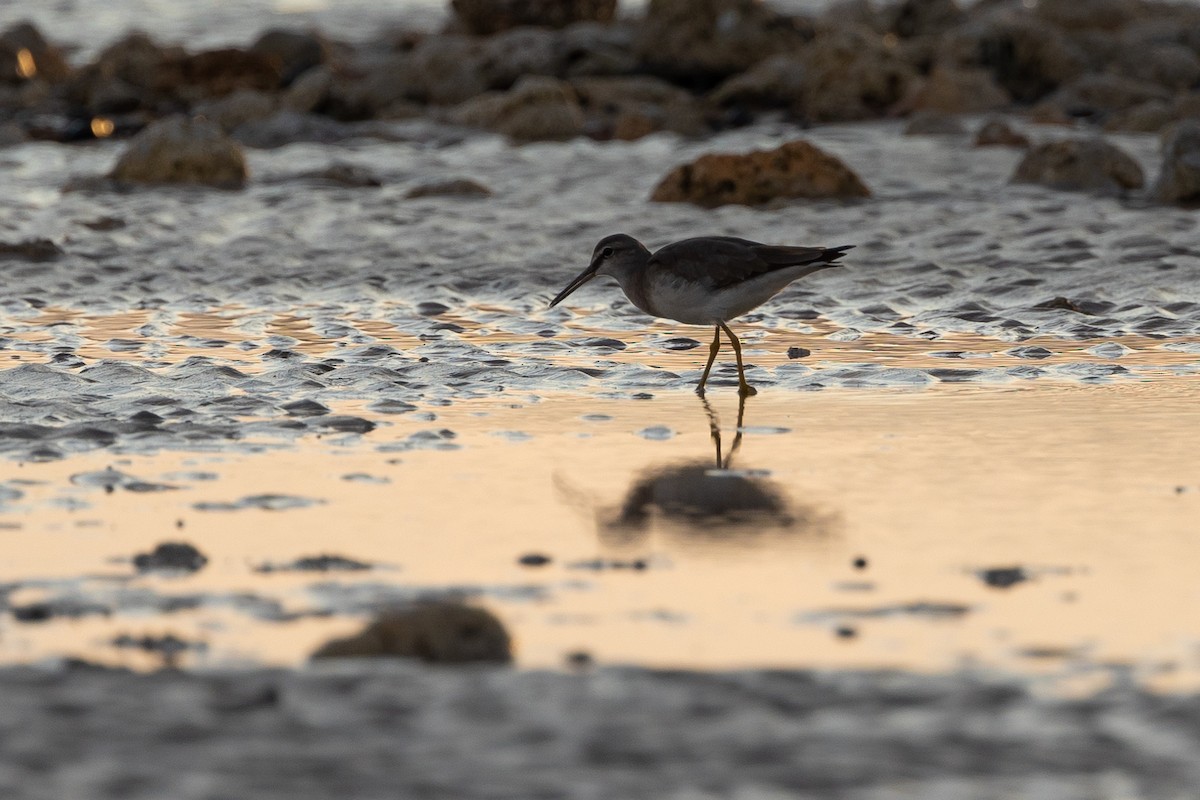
column 717, row 262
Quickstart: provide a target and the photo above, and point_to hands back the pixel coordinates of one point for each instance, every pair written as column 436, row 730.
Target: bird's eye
column 606, row 252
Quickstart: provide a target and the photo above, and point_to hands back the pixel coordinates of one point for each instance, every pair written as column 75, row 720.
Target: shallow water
column 1089, row 492
column 356, row 373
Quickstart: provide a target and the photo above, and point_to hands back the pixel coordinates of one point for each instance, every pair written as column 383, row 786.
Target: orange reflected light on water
column 1092, row 490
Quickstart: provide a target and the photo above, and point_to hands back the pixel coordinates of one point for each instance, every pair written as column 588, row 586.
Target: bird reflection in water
column 706, row 503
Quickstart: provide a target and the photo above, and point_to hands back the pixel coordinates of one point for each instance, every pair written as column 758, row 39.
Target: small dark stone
column 431, row 308
column 1003, row 577
column 305, row 408
column 34, row 612
column 36, row 250
column 846, row 632
column 171, row 556
column 534, row 560
column 579, row 659
column 460, row 187
column 860, row 562
column 798, row 352
column 680, row 343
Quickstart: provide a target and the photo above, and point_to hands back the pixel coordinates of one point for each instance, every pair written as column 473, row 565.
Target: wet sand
column 947, row 551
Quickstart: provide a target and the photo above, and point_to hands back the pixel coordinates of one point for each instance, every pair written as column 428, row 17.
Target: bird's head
column 613, row 255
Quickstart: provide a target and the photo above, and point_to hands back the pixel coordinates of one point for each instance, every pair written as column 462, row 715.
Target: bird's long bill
column 578, row 281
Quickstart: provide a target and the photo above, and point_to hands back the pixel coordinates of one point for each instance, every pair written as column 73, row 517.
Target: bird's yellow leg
column 713, row 349
column 744, row 389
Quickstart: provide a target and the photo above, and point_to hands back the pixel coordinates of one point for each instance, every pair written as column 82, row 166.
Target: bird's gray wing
column 717, row 262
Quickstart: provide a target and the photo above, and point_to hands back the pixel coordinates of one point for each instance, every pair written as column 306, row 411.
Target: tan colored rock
column 437, row 633
column 455, row 187
column 1086, row 14
column 998, row 133
column 1080, row 165
column 182, row 150
column 486, row 17
column 631, row 107
column 956, row 91
column 536, row 108
column 795, row 170
column 1179, row 178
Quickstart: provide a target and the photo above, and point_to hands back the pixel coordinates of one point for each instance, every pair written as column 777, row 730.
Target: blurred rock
column 998, row 133
column 1081, row 165
column 956, row 91
column 775, row 82
column 444, row 70
column 1171, row 66
column 1097, row 96
column 215, row 73
column 1028, row 58
column 701, row 42
column 26, row 55
column 1083, row 14
column 934, row 123
column 629, row 108
column 849, row 74
column 437, row 633
column 795, row 170
column 11, row 134
column 910, row 18
column 36, row 250
column 1148, row 117
column 179, row 556
column 1179, row 178
column 294, row 52
column 537, row 108
column 288, row 127
column 237, row 109
column 459, row 187
column 485, row 17
column 308, row 92
column 589, row 48
column 181, row 150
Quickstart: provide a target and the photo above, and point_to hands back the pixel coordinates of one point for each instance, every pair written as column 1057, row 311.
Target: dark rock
column 934, row 123
column 534, row 560
column 437, row 633
column 1090, row 308
column 910, row 18
column 289, row 127
column 537, row 108
column 701, row 42
column 346, row 175
column 1033, row 352
column 680, row 343
column 956, row 91
column 1090, row 14
column 171, row 556
column 238, row 108
column 798, row 352
column 486, row 17
column 794, row 170
column 1096, row 96
column 1179, row 178
column 860, row 562
column 305, row 408
column 998, row 133
column 1003, row 577
column 631, row 107
column 25, row 55
column 849, row 74
column 215, row 73
column 1026, row 57
column 321, row 563
column 1080, row 165
column 456, row 187
column 169, row 645
column 295, row 52
column 432, row 308
column 36, row 250
column 182, row 150
column 774, row 82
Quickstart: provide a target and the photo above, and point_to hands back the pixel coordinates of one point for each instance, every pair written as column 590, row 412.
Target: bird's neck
column 633, row 283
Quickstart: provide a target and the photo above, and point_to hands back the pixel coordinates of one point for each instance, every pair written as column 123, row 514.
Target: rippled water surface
column 991, row 410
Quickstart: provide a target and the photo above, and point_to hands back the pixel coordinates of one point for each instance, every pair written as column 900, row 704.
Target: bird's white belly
column 685, row 301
